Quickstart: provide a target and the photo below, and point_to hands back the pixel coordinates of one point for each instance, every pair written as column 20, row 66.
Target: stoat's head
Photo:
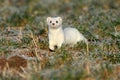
column 54, row 22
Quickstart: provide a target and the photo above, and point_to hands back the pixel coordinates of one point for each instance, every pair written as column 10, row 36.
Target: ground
column 24, row 53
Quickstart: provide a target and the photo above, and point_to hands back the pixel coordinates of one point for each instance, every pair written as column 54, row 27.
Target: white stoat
column 58, row 36
column 55, row 34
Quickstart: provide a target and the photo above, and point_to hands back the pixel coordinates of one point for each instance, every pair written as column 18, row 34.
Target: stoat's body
column 58, row 36
column 72, row 36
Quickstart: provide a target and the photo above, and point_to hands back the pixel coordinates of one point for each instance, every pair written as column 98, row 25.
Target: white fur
column 58, row 36
column 55, row 34
column 72, row 36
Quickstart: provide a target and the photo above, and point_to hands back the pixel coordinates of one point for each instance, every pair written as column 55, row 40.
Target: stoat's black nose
column 53, row 23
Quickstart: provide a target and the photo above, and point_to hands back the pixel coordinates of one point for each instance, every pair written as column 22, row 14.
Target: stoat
column 55, row 32
column 58, row 36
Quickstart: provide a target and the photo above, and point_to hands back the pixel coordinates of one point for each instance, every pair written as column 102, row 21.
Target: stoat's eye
column 50, row 21
column 56, row 21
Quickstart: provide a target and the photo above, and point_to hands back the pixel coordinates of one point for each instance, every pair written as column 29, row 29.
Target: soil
column 14, row 62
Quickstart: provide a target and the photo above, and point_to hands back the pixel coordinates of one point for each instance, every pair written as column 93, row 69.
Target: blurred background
column 22, row 12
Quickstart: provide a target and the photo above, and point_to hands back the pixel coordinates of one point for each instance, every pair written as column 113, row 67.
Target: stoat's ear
column 48, row 19
column 60, row 19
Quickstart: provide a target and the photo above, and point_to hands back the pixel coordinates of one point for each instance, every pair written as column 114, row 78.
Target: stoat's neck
column 55, row 30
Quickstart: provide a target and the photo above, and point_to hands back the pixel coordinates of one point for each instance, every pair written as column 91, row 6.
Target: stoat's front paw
column 51, row 50
column 55, row 47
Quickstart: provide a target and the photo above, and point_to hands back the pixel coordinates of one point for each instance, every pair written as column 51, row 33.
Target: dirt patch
column 14, row 62
column 3, row 62
column 19, row 58
column 17, row 62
